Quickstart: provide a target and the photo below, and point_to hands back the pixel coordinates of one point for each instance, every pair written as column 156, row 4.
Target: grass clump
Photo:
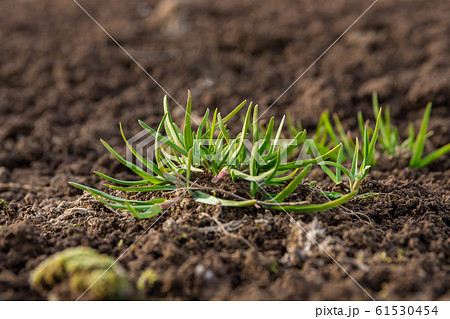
column 258, row 155
column 329, row 133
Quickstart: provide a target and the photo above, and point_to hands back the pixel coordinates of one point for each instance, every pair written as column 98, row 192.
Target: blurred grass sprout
column 329, row 134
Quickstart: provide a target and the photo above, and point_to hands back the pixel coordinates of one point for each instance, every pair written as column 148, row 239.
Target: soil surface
column 64, row 84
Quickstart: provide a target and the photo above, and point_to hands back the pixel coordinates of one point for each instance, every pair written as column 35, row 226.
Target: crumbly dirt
column 64, row 84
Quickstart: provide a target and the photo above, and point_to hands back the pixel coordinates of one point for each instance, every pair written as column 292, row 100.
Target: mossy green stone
column 81, row 267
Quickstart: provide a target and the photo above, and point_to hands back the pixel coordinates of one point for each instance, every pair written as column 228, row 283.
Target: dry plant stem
column 200, row 187
column 223, row 229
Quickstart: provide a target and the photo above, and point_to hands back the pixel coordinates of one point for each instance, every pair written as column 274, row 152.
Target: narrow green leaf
column 213, row 128
column 121, row 182
column 420, row 140
column 243, row 134
column 373, row 141
column 223, row 129
column 234, row 112
column 279, row 180
column 267, row 136
column 139, row 171
column 360, row 125
column 330, row 130
column 274, row 169
column 277, row 136
column 355, row 159
column 434, row 156
column 115, row 198
column 255, row 131
column 315, row 207
column 154, row 210
column 163, row 139
column 171, row 129
column 253, row 169
column 199, row 133
column 344, row 138
column 189, row 166
column 292, row 185
column 149, row 164
column 317, row 160
column 338, row 170
column 143, row 189
column 187, row 123
column 295, row 143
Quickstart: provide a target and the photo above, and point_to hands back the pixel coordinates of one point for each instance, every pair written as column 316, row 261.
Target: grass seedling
column 257, row 155
column 329, row 134
column 414, row 145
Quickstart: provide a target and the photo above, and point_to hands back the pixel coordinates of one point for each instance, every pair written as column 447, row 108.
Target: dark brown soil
column 64, row 84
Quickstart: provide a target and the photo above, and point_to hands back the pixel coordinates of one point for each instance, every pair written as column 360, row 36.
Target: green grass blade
column 344, row 170
column 143, row 189
column 338, row 170
column 253, row 169
column 279, row 180
column 243, row 135
column 365, row 147
column 225, row 120
column 315, row 207
column 420, row 140
column 213, row 128
column 187, row 123
column 317, row 160
column 320, row 127
column 373, row 141
column 360, row 125
column 163, row 139
column 277, row 136
column 121, row 182
column 267, row 136
column 433, row 156
column 344, row 138
column 171, row 129
column 188, row 168
column 355, row 159
column 234, row 112
column 387, row 123
column 329, row 173
column 120, row 206
column 293, row 128
column 167, row 159
column 259, row 178
column 255, row 127
column 292, row 185
column 149, row 164
column 223, row 129
column 274, row 169
column 154, row 210
column 298, row 139
column 330, row 130
column 139, row 171
column 199, row 133
column 114, row 198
